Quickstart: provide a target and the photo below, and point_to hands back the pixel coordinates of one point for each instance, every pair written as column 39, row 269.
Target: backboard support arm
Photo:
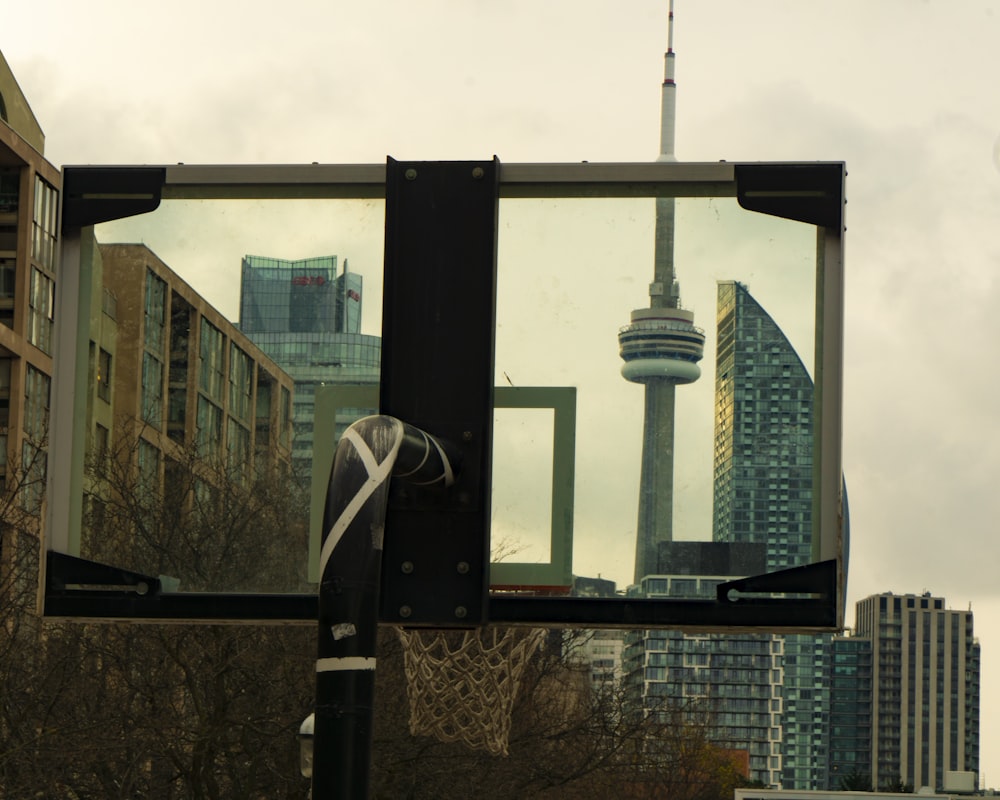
column 370, row 452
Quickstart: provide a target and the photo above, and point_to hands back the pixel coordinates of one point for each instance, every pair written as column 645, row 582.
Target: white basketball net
column 461, row 685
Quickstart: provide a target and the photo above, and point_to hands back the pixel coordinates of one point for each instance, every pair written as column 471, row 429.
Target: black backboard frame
column 811, row 192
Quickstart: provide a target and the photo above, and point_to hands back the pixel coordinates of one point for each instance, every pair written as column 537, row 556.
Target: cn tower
column 661, row 348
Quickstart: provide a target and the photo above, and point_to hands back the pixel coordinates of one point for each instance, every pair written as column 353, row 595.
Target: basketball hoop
column 461, row 684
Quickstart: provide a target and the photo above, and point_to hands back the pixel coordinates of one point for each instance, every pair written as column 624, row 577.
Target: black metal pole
column 368, row 454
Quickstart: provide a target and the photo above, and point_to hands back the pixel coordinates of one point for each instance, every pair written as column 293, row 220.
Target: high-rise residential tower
column 661, row 348
column 763, row 477
column 184, row 407
column 763, row 433
column 729, row 682
column 925, row 689
column 308, row 319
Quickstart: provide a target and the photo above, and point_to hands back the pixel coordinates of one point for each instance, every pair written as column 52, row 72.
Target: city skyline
column 763, row 485
column 774, row 82
column 762, row 521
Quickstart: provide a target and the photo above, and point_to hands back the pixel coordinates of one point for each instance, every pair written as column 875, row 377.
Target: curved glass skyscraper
column 763, row 434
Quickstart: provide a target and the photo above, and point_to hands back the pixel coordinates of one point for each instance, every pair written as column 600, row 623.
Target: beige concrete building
column 29, row 237
column 187, row 422
column 163, row 357
column 925, row 689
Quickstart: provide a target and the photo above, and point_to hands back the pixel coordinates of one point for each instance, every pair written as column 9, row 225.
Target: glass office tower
column 305, row 296
column 308, row 319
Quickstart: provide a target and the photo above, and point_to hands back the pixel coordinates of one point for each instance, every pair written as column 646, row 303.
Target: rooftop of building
column 15, row 111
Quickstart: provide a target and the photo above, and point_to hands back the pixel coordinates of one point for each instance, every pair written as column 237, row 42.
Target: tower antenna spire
column 668, row 100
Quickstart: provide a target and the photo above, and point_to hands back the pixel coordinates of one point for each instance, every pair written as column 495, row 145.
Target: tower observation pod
column 661, row 344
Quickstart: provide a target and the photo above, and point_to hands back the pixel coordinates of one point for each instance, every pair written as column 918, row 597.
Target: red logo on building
column 308, row 280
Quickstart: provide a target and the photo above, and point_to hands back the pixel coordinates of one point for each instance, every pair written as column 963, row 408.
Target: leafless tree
column 212, row 524
column 116, row 711
column 567, row 741
column 158, row 711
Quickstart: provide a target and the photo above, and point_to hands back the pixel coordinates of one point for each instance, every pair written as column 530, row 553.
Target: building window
column 8, row 273
column 37, row 388
column 104, row 375
column 240, row 383
column 152, row 391
column 176, row 413
column 36, row 404
column 238, row 444
column 209, row 427
column 154, row 340
column 10, row 188
column 284, row 416
column 149, row 466
column 102, row 439
column 97, row 512
column 41, row 310
column 265, row 385
column 213, row 354
column 43, row 241
column 155, row 312
column 5, row 364
column 109, row 304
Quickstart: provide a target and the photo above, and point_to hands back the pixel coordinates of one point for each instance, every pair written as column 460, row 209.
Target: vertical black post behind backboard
column 439, row 320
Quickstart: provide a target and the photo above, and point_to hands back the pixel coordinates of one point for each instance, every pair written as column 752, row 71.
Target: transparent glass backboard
column 215, row 324
column 571, row 272
column 655, row 383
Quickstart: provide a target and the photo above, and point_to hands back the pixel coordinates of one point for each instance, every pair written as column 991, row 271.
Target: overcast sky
column 904, row 92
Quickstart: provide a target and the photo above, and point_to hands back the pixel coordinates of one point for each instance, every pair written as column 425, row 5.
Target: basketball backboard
column 558, row 440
